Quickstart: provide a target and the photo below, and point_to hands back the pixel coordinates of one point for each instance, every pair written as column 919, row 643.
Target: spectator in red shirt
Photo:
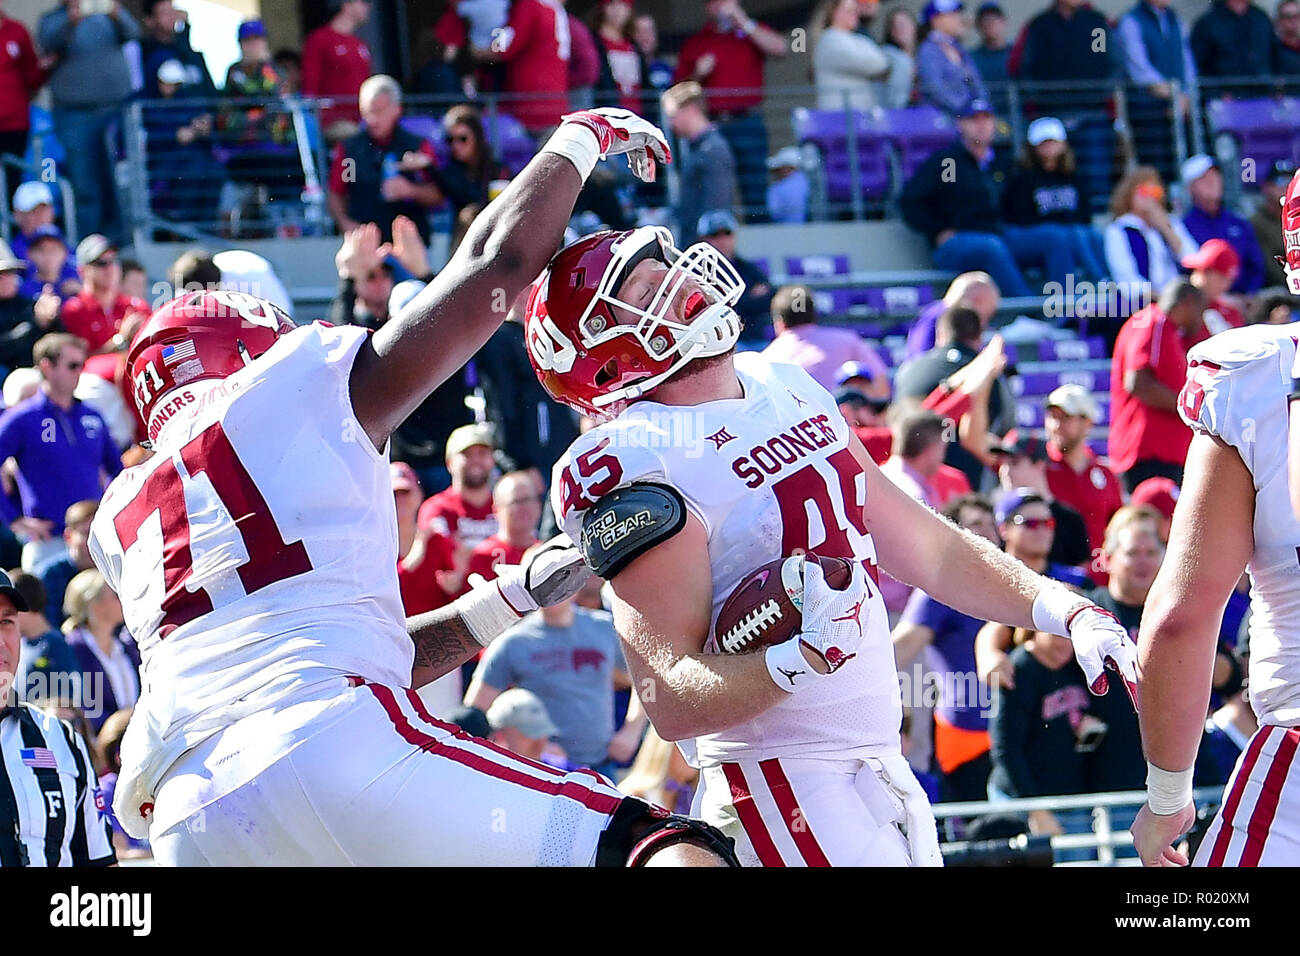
column 424, row 556
column 1148, row 370
column 99, row 311
column 382, row 171
column 1214, row 269
column 463, row 512
column 424, row 571
column 534, row 47
column 1074, row 475
column 620, row 61
column 335, row 62
column 584, row 64
column 20, row 77
column 517, row 504
column 728, row 54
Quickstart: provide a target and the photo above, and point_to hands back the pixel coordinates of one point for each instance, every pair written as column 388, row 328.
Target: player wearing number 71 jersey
column 713, row 465
column 255, row 557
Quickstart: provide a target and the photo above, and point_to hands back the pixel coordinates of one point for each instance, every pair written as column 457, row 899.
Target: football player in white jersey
column 1234, row 512
column 713, row 465
column 255, row 557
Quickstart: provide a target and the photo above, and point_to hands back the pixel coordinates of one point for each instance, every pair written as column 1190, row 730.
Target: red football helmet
column 1290, row 260
column 589, row 360
column 199, row 335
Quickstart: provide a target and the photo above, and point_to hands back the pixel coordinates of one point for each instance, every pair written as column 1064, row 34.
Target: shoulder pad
column 626, row 523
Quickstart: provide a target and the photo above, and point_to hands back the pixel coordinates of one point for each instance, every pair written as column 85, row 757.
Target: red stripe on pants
column 600, row 802
column 1266, row 806
column 750, row 819
column 1229, row 811
column 795, row 821
column 459, row 734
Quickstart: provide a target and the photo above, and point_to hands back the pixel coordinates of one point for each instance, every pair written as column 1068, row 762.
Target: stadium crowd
column 993, row 713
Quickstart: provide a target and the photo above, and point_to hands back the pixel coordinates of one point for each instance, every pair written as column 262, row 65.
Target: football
column 767, row 605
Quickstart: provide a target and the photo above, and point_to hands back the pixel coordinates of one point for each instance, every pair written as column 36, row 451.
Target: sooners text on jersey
column 768, row 475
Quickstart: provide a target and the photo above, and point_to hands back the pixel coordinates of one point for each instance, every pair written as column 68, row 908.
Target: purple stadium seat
column 899, row 299
column 1099, row 446
column 916, row 132
column 819, row 266
column 832, row 301
column 1072, row 350
column 1042, row 383
column 1265, row 129
column 761, row 265
column 511, row 142
column 828, row 131
column 1029, row 414
column 869, row 330
column 428, row 127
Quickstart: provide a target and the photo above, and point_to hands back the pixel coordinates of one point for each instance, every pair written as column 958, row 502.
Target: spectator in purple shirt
column 946, row 75
column 1210, row 219
column 818, row 350
column 62, row 446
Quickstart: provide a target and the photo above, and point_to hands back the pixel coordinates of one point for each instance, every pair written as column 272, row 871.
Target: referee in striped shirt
column 51, row 810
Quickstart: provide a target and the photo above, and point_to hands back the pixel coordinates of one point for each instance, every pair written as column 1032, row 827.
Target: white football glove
column 551, row 574
column 833, row 620
column 622, row 132
column 1101, row 641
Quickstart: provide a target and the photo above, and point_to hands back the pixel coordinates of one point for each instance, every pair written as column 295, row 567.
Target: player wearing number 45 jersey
column 1234, row 512
column 713, row 465
column 255, row 553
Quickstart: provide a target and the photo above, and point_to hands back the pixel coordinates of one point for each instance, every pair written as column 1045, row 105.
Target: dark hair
column 1177, row 292
column 793, row 305
column 465, row 115
column 916, row 431
column 194, row 267
column 957, row 324
column 30, row 588
column 132, row 265
column 286, row 55
column 151, row 5
column 952, row 510
column 1267, row 301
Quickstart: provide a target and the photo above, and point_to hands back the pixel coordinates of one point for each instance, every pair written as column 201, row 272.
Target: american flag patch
column 171, row 354
column 39, row 757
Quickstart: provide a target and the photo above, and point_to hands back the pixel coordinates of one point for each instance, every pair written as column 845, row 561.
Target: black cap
column 1029, row 446
column 8, row 590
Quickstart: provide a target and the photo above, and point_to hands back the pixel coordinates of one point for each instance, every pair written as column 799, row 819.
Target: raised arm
column 506, row 248
column 967, row 573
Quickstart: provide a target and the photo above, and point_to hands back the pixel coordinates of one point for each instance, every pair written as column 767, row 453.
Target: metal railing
column 1104, row 837
column 855, row 161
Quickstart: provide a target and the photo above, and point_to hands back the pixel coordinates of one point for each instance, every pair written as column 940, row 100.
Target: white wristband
column 1053, row 608
column 486, row 612
column 578, row 145
column 1168, row 791
column 788, row 668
